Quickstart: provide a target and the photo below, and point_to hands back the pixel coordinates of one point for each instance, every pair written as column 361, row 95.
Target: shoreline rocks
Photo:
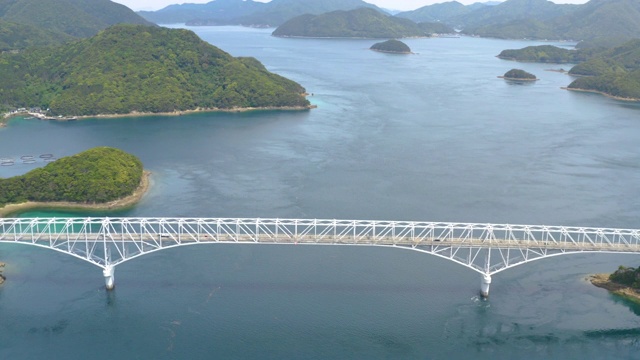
column 602, row 281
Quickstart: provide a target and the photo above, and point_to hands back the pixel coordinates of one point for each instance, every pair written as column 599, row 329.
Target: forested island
column 624, row 282
column 518, row 75
column 614, row 72
column 391, row 46
column 358, row 23
column 101, row 178
column 129, row 69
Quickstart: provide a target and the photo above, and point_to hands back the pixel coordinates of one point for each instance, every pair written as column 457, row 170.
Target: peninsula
column 101, row 178
column 137, row 69
column 623, row 282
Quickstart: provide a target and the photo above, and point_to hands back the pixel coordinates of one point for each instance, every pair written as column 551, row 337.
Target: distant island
column 138, row 69
column 624, row 282
column 518, row 75
column 358, row 23
column 101, row 178
column 391, row 46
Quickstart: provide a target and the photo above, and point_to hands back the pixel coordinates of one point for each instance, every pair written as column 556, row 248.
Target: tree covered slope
column 136, row 68
column 358, row 23
column 248, row 12
column 54, row 21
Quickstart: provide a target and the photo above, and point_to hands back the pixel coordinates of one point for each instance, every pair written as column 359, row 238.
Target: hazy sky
column 388, row 4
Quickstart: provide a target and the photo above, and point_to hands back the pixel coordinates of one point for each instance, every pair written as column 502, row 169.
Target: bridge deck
column 172, row 239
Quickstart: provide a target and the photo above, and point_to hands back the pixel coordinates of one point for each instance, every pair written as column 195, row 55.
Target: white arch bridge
column 485, row 248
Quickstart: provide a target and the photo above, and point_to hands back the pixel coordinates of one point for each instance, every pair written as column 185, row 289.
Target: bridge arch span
column 485, row 248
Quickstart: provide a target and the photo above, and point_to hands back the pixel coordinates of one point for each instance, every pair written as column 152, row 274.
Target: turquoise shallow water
column 434, row 137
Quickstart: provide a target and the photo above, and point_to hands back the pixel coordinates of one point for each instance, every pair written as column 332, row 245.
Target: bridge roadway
column 173, row 239
column 484, row 248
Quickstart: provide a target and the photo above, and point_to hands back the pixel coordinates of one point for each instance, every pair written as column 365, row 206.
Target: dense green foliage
column 518, row 74
column 97, row 175
column 512, row 10
column 392, row 46
column 431, row 28
column 250, row 13
column 606, row 22
column 45, row 22
column 436, row 12
column 545, row 54
column 626, row 276
column 19, row 36
column 623, row 85
column 359, row 23
column 135, row 68
column 614, row 72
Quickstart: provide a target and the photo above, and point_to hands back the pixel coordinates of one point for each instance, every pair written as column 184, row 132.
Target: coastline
column 7, row 116
column 517, row 79
column 118, row 204
column 601, row 93
column 393, row 52
column 602, row 281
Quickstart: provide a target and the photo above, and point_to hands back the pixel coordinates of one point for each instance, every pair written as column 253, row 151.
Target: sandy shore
column 61, row 205
column 602, row 281
column 601, row 93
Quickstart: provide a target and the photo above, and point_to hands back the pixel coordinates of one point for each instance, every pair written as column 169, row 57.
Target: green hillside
column 614, row 72
column 599, row 22
column 250, row 13
column 359, row 23
column 97, row 175
column 135, row 68
column 213, row 12
column 437, row 12
column 277, row 12
column 47, row 22
column 431, row 28
column 509, row 11
column 20, row 36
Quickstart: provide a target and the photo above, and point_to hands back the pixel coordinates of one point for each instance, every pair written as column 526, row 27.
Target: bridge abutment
column 484, row 285
column 109, row 278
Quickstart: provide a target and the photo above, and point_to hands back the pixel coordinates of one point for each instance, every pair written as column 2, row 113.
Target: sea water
column 434, row 136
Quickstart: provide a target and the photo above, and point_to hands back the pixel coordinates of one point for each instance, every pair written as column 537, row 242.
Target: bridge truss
column 485, row 248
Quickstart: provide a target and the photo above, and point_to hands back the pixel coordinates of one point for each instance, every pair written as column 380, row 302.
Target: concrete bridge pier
column 109, row 278
column 484, row 285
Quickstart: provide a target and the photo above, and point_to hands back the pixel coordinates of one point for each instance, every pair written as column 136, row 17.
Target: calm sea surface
column 434, row 136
